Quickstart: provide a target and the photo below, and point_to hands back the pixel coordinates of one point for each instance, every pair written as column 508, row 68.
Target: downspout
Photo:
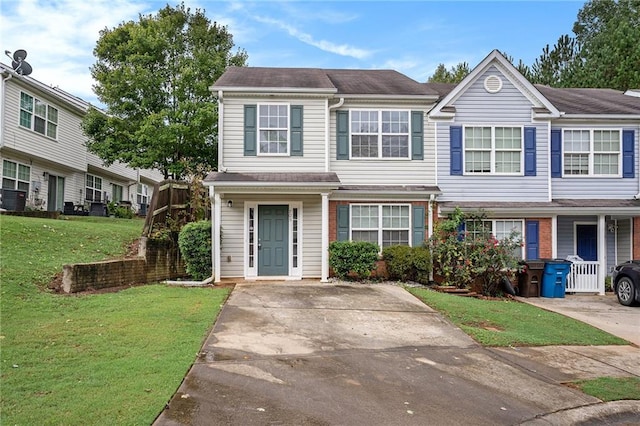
column 327, row 138
column 432, row 198
column 4, row 84
column 220, row 131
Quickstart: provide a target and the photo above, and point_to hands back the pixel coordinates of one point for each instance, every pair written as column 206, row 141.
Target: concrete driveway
column 603, row 312
column 320, row 354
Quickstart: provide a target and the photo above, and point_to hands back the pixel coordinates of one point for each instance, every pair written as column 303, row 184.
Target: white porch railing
column 583, row 277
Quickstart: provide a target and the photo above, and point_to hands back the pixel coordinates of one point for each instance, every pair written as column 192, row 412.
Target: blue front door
column 273, row 240
column 587, row 242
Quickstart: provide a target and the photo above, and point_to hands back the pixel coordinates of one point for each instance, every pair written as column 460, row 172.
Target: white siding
column 387, row 171
column 313, row 159
column 234, row 234
column 507, row 107
column 599, row 187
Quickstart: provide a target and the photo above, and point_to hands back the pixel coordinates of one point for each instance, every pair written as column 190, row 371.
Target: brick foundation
column 636, row 237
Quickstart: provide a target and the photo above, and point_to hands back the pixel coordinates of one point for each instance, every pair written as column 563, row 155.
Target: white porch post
column 325, row 238
column 215, row 230
column 554, row 236
column 602, row 252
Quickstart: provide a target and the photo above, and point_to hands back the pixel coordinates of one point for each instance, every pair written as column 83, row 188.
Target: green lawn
column 112, row 358
column 511, row 323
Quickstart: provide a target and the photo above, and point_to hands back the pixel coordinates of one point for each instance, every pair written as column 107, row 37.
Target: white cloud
column 327, row 46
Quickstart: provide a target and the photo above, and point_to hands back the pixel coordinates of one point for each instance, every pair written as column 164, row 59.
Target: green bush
column 195, row 246
column 123, row 212
column 406, row 263
column 353, row 257
column 399, row 262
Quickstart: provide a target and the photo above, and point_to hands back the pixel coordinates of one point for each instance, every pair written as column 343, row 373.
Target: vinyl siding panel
column 68, row 149
column 598, row 187
column 508, row 107
column 313, row 158
column 387, row 171
column 624, row 240
column 234, row 235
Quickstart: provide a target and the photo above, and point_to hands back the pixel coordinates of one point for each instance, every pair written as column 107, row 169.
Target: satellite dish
column 18, row 63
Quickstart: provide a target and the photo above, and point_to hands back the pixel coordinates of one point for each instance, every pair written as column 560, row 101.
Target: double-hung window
column 273, row 129
column 36, row 115
column 493, row 150
column 499, row 229
column 592, row 152
column 384, row 225
column 116, row 193
column 379, row 134
column 93, row 188
column 143, row 194
column 15, row 175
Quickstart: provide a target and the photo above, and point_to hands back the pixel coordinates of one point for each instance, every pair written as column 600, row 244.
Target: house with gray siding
column 308, row 156
column 559, row 166
column 43, row 152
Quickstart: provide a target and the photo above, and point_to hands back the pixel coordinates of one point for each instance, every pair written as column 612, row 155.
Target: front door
column 273, row 240
column 587, row 242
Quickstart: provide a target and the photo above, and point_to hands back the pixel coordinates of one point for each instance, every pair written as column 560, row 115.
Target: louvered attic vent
column 493, row 84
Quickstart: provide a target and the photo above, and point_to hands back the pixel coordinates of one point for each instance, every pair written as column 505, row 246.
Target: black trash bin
column 530, row 279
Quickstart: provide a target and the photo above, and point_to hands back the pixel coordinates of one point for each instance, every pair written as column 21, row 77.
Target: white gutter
column 273, row 90
column 2, row 106
column 220, row 130
column 327, row 138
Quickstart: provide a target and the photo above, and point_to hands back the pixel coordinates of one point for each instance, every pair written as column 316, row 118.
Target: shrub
column 406, row 263
column 123, row 212
column 399, row 262
column 195, row 246
column 353, row 257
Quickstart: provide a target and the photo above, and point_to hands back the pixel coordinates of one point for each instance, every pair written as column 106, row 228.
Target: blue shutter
column 418, row 226
column 250, row 130
column 343, row 222
column 530, row 151
column 342, row 135
column 455, row 143
column 417, row 135
column 532, row 235
column 556, row 153
column 628, row 154
column 296, row 130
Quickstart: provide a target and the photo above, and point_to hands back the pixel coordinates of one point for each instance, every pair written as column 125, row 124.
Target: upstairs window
column 379, row 134
column 15, row 176
column 592, row 152
column 36, row 115
column 93, row 188
column 273, row 129
column 493, row 150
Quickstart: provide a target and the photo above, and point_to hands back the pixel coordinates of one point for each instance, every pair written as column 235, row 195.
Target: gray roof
column 555, row 204
column 441, row 89
column 267, row 178
column 391, row 188
column 342, row 82
column 590, row 101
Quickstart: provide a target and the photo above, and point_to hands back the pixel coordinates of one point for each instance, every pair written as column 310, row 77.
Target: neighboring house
column 561, row 166
column 43, row 152
column 308, row 156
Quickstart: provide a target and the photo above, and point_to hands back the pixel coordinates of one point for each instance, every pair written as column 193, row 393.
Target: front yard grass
column 512, row 323
column 611, row 388
column 111, row 358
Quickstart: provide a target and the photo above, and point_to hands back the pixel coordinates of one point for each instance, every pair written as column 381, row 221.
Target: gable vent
column 493, row 84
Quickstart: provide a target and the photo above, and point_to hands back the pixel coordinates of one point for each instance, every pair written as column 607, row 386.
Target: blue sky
column 412, row 37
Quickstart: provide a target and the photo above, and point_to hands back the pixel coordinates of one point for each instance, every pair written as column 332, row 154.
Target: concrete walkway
column 325, row 354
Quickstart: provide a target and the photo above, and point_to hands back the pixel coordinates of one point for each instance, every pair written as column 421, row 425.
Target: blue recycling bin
column 554, row 278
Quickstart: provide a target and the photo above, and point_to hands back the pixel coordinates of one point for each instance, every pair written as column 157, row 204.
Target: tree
column 153, row 76
column 454, row 75
column 558, row 67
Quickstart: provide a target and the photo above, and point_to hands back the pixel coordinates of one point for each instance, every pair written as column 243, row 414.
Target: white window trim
column 380, row 133
column 144, row 194
column 93, row 188
column 252, row 272
column 287, row 129
column 17, row 178
column 591, row 152
column 33, row 115
column 380, row 228
column 493, row 150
